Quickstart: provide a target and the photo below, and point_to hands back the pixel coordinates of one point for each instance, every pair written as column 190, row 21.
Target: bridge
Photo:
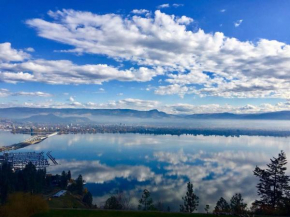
column 30, row 141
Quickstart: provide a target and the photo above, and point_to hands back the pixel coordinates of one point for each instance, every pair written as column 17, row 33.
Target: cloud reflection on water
column 217, row 166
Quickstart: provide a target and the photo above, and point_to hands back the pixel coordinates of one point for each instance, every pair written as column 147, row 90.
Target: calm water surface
column 217, row 166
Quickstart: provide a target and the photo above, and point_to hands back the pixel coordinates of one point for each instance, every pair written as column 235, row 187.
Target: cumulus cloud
column 223, row 10
column 164, row 42
column 66, row 72
column 7, row 53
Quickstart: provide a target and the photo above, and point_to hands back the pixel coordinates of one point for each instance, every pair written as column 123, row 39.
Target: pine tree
column 222, row 206
column 190, row 201
column 69, row 176
column 273, row 184
column 237, row 205
column 146, row 202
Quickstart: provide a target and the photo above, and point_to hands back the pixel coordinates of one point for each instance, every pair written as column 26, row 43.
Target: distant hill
column 281, row 115
column 53, row 119
column 18, row 112
column 51, row 115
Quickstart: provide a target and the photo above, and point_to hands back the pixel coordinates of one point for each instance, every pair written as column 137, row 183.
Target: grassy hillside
column 67, row 201
column 104, row 213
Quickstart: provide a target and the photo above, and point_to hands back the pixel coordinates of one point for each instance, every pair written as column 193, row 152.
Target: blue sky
column 175, row 56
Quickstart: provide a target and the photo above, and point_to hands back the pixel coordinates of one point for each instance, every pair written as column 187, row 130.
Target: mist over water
column 217, row 166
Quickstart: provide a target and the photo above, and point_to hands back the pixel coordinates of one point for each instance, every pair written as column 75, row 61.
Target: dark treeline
column 35, row 181
column 27, row 180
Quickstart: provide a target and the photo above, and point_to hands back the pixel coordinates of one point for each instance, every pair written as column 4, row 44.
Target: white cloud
column 6, row 93
column 238, row 23
column 140, row 11
column 96, row 172
column 164, row 6
column 145, row 105
column 134, row 103
column 174, row 89
column 66, row 72
column 223, row 10
column 184, row 20
column 30, row 49
column 71, row 99
column 238, row 69
column 177, row 5
column 8, row 54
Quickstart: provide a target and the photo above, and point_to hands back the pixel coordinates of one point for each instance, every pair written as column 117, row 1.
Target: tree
column 6, row 184
column 69, row 176
column 123, row 198
column 146, row 202
column 112, row 203
column 63, row 180
column 237, row 205
column 273, row 183
column 222, row 206
column 160, row 206
column 88, row 199
column 190, row 201
column 206, row 208
column 79, row 185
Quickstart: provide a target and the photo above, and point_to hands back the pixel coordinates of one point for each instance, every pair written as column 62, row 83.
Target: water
column 217, row 166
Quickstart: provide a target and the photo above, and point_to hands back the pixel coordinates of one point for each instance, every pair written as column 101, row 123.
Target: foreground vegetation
column 106, row 213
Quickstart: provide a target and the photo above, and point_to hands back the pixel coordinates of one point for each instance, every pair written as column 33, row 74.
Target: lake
column 217, row 166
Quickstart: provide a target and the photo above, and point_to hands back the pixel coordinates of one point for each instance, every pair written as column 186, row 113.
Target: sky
column 180, row 57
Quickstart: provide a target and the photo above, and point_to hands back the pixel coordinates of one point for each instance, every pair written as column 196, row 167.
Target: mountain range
column 65, row 115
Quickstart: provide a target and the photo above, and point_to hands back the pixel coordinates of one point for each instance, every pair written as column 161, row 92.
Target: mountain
column 53, row 119
column 281, row 115
column 20, row 113
column 115, row 115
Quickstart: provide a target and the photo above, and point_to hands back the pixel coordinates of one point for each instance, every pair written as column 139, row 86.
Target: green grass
column 105, row 213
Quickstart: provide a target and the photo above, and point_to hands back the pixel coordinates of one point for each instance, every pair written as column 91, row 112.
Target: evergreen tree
column 63, row 180
column 69, row 176
column 79, row 185
column 237, row 205
column 206, row 208
column 222, row 206
column 273, row 184
column 6, row 176
column 190, row 201
column 146, row 202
